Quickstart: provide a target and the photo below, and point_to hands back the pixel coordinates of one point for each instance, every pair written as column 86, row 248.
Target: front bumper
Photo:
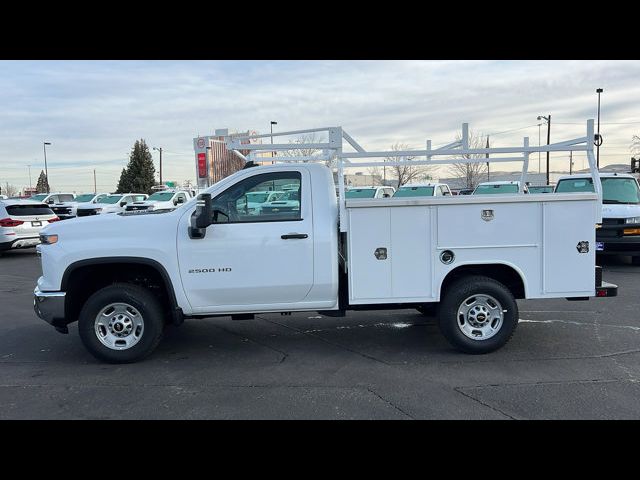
column 49, row 306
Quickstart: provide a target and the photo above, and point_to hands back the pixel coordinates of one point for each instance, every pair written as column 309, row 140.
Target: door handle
column 293, row 235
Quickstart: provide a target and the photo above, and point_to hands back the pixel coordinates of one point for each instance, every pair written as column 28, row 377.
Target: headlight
column 632, row 220
column 48, row 239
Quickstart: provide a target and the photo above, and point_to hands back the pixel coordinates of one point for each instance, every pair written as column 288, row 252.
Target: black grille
column 85, row 213
column 61, row 210
column 133, row 208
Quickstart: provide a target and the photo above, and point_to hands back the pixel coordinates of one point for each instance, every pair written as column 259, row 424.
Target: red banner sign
column 202, row 165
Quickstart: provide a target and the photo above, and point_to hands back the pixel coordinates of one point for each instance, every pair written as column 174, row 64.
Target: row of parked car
column 22, row 219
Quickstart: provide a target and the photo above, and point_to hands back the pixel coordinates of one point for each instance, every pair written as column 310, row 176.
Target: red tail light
column 10, row 222
column 54, row 219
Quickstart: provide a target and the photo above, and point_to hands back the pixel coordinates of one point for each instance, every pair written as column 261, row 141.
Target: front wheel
column 121, row 323
column 478, row 314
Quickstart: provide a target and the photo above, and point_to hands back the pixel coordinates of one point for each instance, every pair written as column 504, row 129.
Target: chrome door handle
column 293, row 235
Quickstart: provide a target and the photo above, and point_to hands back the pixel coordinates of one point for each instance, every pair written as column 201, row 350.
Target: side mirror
column 446, row 193
column 202, row 218
column 123, row 203
column 50, row 201
column 386, row 195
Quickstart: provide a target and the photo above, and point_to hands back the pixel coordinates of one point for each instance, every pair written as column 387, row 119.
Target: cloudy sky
column 93, row 111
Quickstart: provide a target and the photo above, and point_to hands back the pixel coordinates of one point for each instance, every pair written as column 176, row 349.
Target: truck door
column 251, row 256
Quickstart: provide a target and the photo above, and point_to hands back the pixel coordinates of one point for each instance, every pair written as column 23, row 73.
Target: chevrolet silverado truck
column 124, row 277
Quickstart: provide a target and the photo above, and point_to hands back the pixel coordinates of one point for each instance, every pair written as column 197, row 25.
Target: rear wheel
column 121, row 323
column 478, row 314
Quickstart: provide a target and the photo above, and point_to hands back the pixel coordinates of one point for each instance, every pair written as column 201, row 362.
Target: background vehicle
column 113, row 203
column 423, row 190
column 51, row 198
column 465, row 191
column 540, row 188
column 164, row 200
column 619, row 233
column 21, row 222
column 370, row 192
column 66, row 210
column 124, row 277
column 492, row 188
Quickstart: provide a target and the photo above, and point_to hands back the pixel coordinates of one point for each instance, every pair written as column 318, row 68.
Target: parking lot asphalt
column 567, row 360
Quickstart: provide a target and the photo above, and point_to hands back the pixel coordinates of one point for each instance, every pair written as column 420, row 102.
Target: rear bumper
column 23, row 242
column 49, row 306
column 607, row 290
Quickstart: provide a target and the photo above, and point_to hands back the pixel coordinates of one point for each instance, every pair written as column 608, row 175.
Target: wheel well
column 84, row 280
column 504, row 274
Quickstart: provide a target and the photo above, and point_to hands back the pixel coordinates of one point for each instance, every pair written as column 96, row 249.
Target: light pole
column 598, row 91
column 46, row 172
column 487, row 157
column 160, row 150
column 548, row 120
column 272, row 123
column 29, row 166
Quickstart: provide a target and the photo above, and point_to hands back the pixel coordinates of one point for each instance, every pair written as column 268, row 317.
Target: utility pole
column 160, row 150
column 29, row 177
column 570, row 162
column 548, row 120
column 487, row 157
column 272, row 123
column 95, row 189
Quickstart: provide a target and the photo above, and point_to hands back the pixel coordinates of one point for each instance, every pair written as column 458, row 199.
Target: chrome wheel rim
column 480, row 317
column 119, row 326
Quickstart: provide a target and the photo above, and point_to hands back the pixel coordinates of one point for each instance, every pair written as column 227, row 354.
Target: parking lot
column 567, row 360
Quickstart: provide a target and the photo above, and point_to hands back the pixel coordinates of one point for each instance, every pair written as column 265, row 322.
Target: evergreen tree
column 139, row 175
column 43, row 183
column 124, row 186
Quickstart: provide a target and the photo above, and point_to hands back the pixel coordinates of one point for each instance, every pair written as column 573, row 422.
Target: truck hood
column 613, row 210
column 100, row 226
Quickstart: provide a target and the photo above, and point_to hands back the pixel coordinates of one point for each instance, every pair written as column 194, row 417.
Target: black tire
column 635, row 260
column 138, row 297
column 453, row 298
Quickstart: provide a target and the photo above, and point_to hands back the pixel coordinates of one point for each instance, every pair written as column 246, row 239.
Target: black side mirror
column 122, row 204
column 202, row 218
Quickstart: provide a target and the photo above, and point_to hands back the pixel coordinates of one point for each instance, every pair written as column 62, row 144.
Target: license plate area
column 599, row 246
column 36, row 224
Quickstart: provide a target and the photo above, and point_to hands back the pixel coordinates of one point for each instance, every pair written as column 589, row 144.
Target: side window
column 248, row 200
column 136, row 198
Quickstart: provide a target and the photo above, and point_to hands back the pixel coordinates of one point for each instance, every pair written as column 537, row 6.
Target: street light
column 548, row 120
column 46, row 172
column 160, row 150
column 599, row 141
column 272, row 123
column 29, row 166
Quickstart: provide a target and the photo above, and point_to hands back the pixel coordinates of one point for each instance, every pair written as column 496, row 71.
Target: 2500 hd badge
column 209, row 270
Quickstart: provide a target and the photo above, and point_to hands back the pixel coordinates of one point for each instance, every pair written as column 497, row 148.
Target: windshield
column 161, row 196
column 414, row 192
column 500, row 188
column 110, row 199
column 614, row 189
column 360, row 193
column 39, row 198
column 85, row 197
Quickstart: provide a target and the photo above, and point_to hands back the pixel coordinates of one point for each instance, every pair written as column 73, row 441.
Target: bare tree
column 303, row 151
column 470, row 173
column 10, row 190
column 635, row 145
column 405, row 173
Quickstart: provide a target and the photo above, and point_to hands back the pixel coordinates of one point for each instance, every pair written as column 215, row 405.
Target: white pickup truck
column 124, row 277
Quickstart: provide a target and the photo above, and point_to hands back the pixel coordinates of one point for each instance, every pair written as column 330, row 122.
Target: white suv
column 113, row 203
column 164, row 200
column 21, row 222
